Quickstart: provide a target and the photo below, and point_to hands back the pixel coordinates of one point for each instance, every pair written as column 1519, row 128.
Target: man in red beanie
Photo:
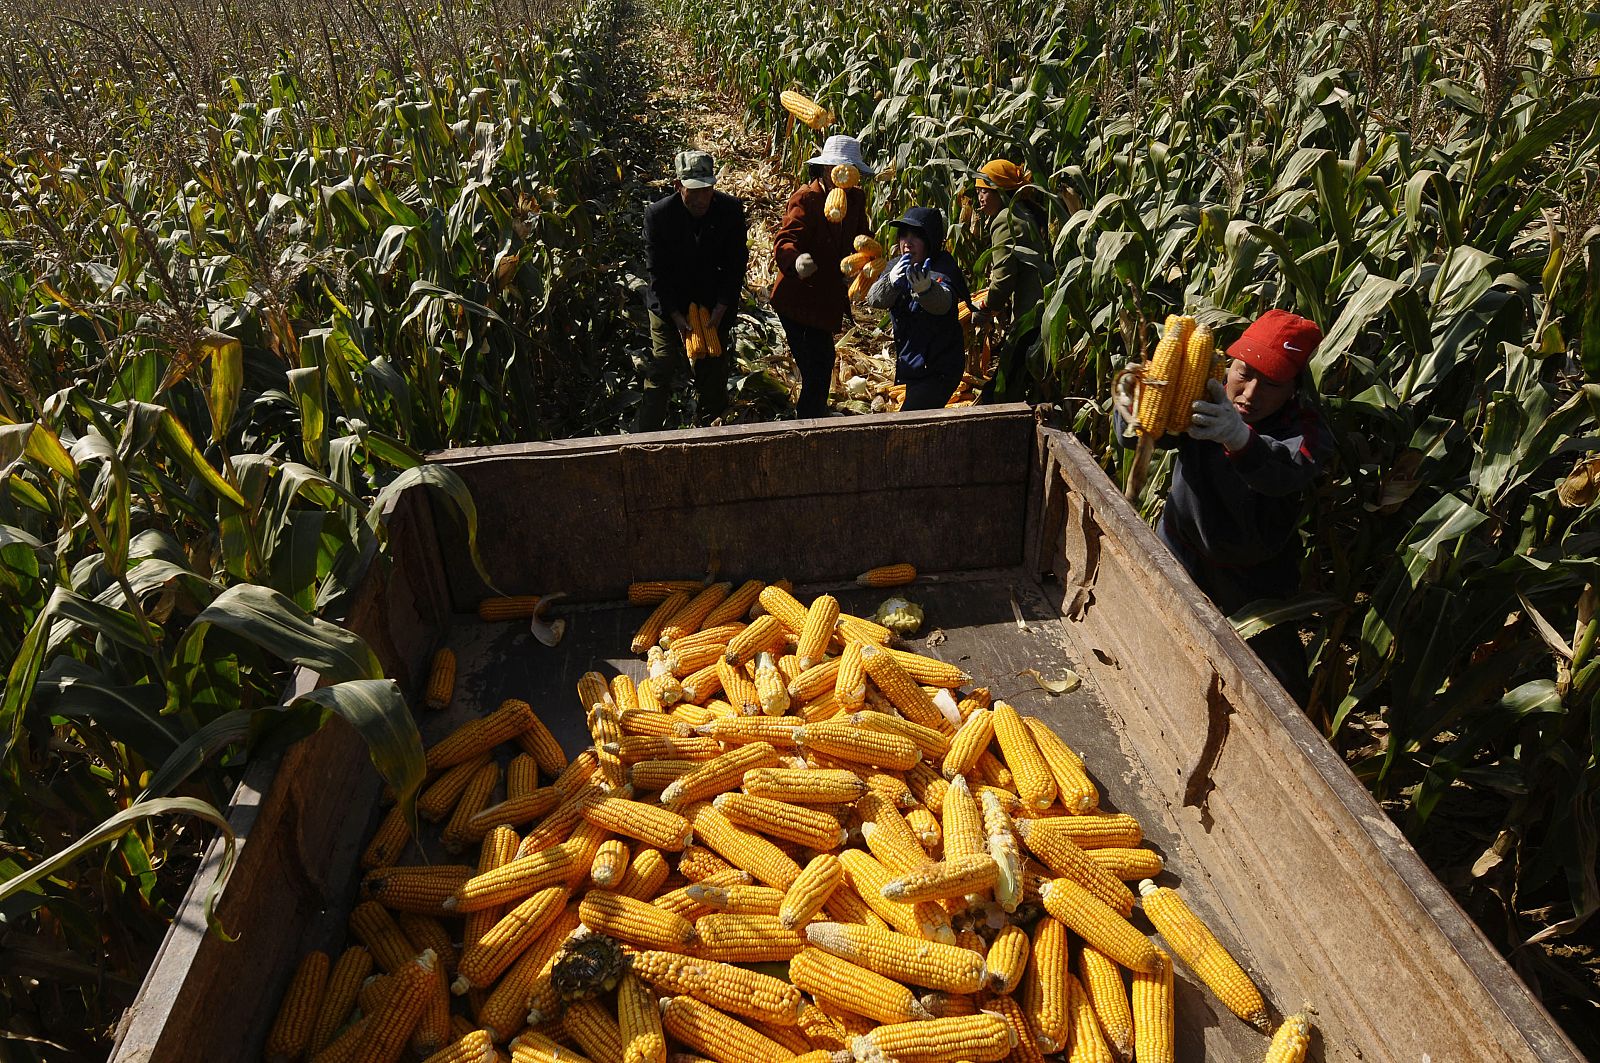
column 1233, row 512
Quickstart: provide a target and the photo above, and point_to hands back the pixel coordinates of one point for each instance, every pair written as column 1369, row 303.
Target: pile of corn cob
column 784, row 787
column 864, row 267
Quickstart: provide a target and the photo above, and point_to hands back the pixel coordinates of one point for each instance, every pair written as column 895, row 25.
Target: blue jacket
column 927, row 332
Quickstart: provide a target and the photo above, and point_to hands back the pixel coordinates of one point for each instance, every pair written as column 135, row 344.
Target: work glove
column 1122, row 397
column 1218, row 420
column 804, row 265
column 920, row 278
column 900, row 272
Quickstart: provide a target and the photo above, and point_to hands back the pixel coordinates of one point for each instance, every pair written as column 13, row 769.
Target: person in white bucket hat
column 811, row 296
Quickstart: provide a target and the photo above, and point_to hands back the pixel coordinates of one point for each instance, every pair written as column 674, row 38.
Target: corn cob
column 520, row 878
column 471, row 1046
column 771, row 689
column 795, row 1041
column 847, row 743
column 1291, row 1042
column 718, row 1036
column 1161, row 379
column 584, row 845
column 817, row 630
column 441, row 679
column 694, row 612
column 853, row 628
column 867, row 878
column 731, row 938
column 597, row 1033
column 389, row 841
column 634, row 748
column 743, row 848
column 796, row 823
column 805, row 110
column 929, row 670
column 1153, row 1012
column 1129, row 865
column 624, row 692
column 481, row 735
column 976, row 1038
column 930, row 742
column 1066, row 859
column 1098, row 924
column 698, row 864
column 834, row 206
column 512, row 607
column 1116, row 830
column 962, row 822
column 765, row 633
column 680, row 902
column 1035, row 785
column 659, row 670
column 1024, row 1046
column 888, row 576
column 474, row 799
column 817, row 882
column 993, row 773
column 441, row 796
column 556, row 827
column 390, row 1027
column 426, row 932
column 644, row 876
column 533, row 1047
column 414, row 889
column 699, row 686
column 1107, row 998
column 710, row 637
column 865, row 278
column 850, row 687
column 1077, row 791
column 635, row 922
column 928, row 787
column 432, row 1031
column 735, row 606
column 777, row 601
column 720, row 774
column 852, row 265
column 971, row 739
column 652, row 591
column 1044, row 992
column 805, row 786
column 650, row 631
column 1198, row 349
column 650, row 722
column 961, row 876
column 1008, row 958
column 338, row 997
column 841, row 985
column 657, row 827
column 291, row 1030
column 925, row 825
column 901, row 957
column 1199, row 948
column 1002, row 845
column 639, row 1021
column 499, row 848
column 1086, row 1041
column 737, row 688
column 903, row 691
column 537, row 741
column 522, row 776
column 815, row 681
column 739, row 730
column 822, row 1031
column 738, row 899
column 610, row 863
column 344, row 1047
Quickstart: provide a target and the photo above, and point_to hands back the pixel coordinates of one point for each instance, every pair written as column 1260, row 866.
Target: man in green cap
column 697, row 249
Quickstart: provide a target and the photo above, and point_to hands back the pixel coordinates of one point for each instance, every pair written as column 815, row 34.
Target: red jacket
column 821, row 300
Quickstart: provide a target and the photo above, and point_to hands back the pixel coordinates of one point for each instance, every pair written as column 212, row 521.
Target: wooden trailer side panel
column 1336, row 906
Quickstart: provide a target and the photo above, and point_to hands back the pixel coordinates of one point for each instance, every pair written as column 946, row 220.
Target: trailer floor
column 972, row 620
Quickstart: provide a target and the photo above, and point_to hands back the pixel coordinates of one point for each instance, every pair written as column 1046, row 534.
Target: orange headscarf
column 1003, row 174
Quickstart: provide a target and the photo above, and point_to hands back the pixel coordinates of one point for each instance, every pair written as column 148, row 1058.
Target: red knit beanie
column 1278, row 345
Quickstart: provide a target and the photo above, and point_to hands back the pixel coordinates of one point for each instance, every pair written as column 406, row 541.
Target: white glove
column 1218, row 420
column 804, row 265
column 921, row 279
column 900, row 271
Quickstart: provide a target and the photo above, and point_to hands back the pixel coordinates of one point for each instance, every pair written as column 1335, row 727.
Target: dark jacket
column 927, row 332
column 1241, row 509
column 821, row 300
column 695, row 260
column 1019, row 262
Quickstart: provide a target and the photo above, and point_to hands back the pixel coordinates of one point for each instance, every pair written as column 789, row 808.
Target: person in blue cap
column 921, row 289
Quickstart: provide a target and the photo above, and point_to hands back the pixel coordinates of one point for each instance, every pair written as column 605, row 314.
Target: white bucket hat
column 839, row 149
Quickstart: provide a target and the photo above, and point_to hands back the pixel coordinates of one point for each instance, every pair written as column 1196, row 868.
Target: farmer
column 811, row 295
column 1019, row 268
column 921, row 290
column 697, row 253
column 1233, row 511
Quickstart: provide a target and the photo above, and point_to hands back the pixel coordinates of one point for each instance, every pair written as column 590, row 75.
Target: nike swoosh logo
column 1292, row 347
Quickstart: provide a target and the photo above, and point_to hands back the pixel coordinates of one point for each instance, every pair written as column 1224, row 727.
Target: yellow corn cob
column 777, row 731
column 892, row 840
column 991, row 770
column 649, row 701
column 644, row 876
column 291, row 1030
column 819, row 709
column 650, row 722
column 1008, row 958
column 850, row 687
column 511, row 882
column 956, row 878
column 901, row 957
column 888, row 576
column 805, row 786
column 474, row 799
column 698, row 864
column 701, row 685
column 1077, row 791
column 441, row 796
column 854, row 1025
column 390, row 1027
column 733, row 989
column 851, row 265
column 441, row 678
column 1086, row 1042
column 414, row 889
column 1129, row 865
column 506, row 1010
column 969, row 742
column 710, row 637
column 657, row 827
column 777, row 601
column 557, row 826
column 1116, row 830
column 1108, row 998
column 1291, row 1042
column 929, row 670
column 735, row 606
column 927, row 787
column 1153, row 1013
column 472, row 1046
column 522, row 776
column 731, row 938
column 853, row 628
column 635, row 922
column 596, row 1031
column 930, row 742
column 1024, row 1047
column 499, row 848
column 1002, row 844
column 1199, row 948
column 533, row 1047
column 432, row 1031
column 1162, row 376
column 976, row 1038
column 650, row 592
column 867, row 244
column 1035, row 785
column 822, row 1031
column 818, row 881
column 537, row 741
column 338, row 997
column 833, row 207
column 388, row 842
column 634, row 748
column 838, row 984
column 480, row 735
column 864, row 280
column 805, row 110
column 1198, row 350
column 689, row 619
column 720, row 774
column 771, row 689
column 1098, row 924
column 624, row 692
column 817, row 630
column 765, row 633
column 815, row 681
column 737, row 687
column 925, row 825
column 845, row 175
column 717, row 1035
column 739, row 899
column 854, row 745
column 803, row 826
column 584, row 845
column 902, row 690
column 610, row 863
column 639, row 1020
column 1044, row 997
column 744, row 849
column 1066, row 859
column 962, row 822
column 514, row 607
column 660, row 669
column 426, row 932
column 923, row 919
column 650, row 631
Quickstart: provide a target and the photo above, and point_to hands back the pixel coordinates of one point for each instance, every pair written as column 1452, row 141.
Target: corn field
column 257, row 259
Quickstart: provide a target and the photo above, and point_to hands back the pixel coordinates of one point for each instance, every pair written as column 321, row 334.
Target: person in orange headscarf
column 1019, row 268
